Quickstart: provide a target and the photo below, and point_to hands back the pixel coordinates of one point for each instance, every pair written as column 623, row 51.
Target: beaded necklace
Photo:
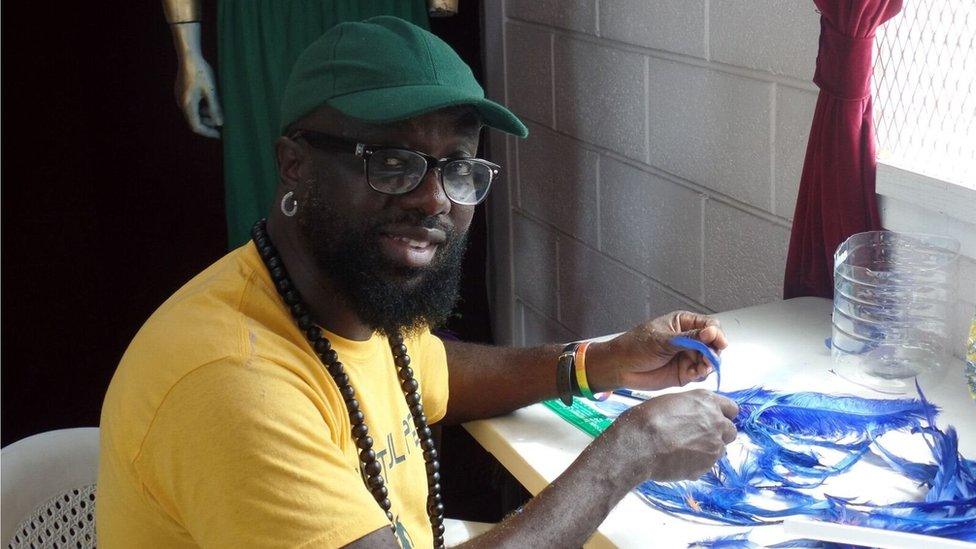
column 371, row 467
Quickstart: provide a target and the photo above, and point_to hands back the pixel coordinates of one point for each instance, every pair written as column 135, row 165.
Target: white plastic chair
column 48, row 490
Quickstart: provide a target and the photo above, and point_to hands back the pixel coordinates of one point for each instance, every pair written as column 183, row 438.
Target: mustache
column 426, row 222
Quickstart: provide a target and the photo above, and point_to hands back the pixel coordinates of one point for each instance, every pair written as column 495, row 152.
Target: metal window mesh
column 925, row 89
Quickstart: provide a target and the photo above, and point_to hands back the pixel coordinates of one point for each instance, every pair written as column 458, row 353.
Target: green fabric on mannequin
column 258, row 42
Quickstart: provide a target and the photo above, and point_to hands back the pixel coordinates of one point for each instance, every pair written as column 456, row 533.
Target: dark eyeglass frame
column 324, row 141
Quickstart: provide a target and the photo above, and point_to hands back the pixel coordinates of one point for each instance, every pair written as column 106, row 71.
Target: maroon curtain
column 836, row 197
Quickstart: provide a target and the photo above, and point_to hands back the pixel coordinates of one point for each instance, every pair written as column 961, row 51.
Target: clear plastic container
column 894, row 295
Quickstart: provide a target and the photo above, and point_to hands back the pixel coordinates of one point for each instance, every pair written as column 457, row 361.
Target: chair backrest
column 48, row 489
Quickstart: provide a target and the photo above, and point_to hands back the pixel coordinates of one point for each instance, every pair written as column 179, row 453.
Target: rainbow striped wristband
column 579, row 363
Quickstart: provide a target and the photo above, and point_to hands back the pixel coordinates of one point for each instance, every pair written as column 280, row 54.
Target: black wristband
column 564, row 374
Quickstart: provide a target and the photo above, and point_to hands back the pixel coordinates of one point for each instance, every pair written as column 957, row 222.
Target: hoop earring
column 289, row 204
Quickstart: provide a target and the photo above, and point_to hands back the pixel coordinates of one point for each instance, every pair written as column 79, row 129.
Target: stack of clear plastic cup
column 894, row 295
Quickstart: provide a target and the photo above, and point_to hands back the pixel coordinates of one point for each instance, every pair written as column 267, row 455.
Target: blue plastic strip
column 694, row 345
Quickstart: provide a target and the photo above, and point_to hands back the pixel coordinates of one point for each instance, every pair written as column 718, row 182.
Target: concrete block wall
column 666, row 145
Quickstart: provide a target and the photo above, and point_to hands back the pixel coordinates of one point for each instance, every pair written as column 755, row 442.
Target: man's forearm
column 487, row 381
column 569, row 510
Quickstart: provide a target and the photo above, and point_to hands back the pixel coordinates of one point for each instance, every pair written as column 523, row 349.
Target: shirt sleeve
column 243, row 455
column 433, row 375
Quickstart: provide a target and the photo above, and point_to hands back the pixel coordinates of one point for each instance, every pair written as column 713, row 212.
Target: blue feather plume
column 827, row 416
column 787, row 427
column 844, row 423
column 742, row 541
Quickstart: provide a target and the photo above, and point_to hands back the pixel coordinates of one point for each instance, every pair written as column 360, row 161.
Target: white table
column 777, row 345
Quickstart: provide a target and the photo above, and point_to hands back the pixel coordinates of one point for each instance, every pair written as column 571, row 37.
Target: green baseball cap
column 385, row 69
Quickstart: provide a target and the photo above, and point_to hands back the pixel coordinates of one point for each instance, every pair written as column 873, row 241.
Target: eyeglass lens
column 396, row 171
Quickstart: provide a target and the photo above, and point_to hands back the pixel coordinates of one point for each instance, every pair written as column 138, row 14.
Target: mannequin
column 258, row 41
column 196, row 89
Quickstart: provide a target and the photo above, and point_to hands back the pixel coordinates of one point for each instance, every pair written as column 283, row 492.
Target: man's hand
column 673, row 437
column 644, row 358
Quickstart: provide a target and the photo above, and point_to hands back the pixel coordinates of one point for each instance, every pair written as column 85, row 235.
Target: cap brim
column 400, row 102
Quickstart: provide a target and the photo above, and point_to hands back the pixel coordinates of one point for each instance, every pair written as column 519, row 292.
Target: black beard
column 387, row 297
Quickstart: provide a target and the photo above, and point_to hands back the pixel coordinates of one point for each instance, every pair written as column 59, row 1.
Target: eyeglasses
column 390, row 170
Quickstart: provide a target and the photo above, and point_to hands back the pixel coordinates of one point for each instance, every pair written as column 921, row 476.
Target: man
column 282, row 397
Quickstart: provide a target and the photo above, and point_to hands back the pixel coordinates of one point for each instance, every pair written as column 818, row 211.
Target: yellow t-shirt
column 221, row 428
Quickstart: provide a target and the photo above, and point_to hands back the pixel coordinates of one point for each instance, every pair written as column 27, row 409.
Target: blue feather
column 818, row 420
column 742, row 541
column 828, row 416
column 787, row 428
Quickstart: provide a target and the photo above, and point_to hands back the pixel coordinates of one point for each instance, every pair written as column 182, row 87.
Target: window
column 925, row 90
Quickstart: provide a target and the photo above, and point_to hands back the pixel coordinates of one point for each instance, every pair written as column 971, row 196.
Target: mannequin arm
column 196, row 91
column 442, row 8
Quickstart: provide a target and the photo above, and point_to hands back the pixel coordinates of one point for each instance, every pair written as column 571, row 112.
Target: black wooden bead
column 373, row 468
column 364, row 443
column 409, row 385
column 360, row 432
column 322, row 346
